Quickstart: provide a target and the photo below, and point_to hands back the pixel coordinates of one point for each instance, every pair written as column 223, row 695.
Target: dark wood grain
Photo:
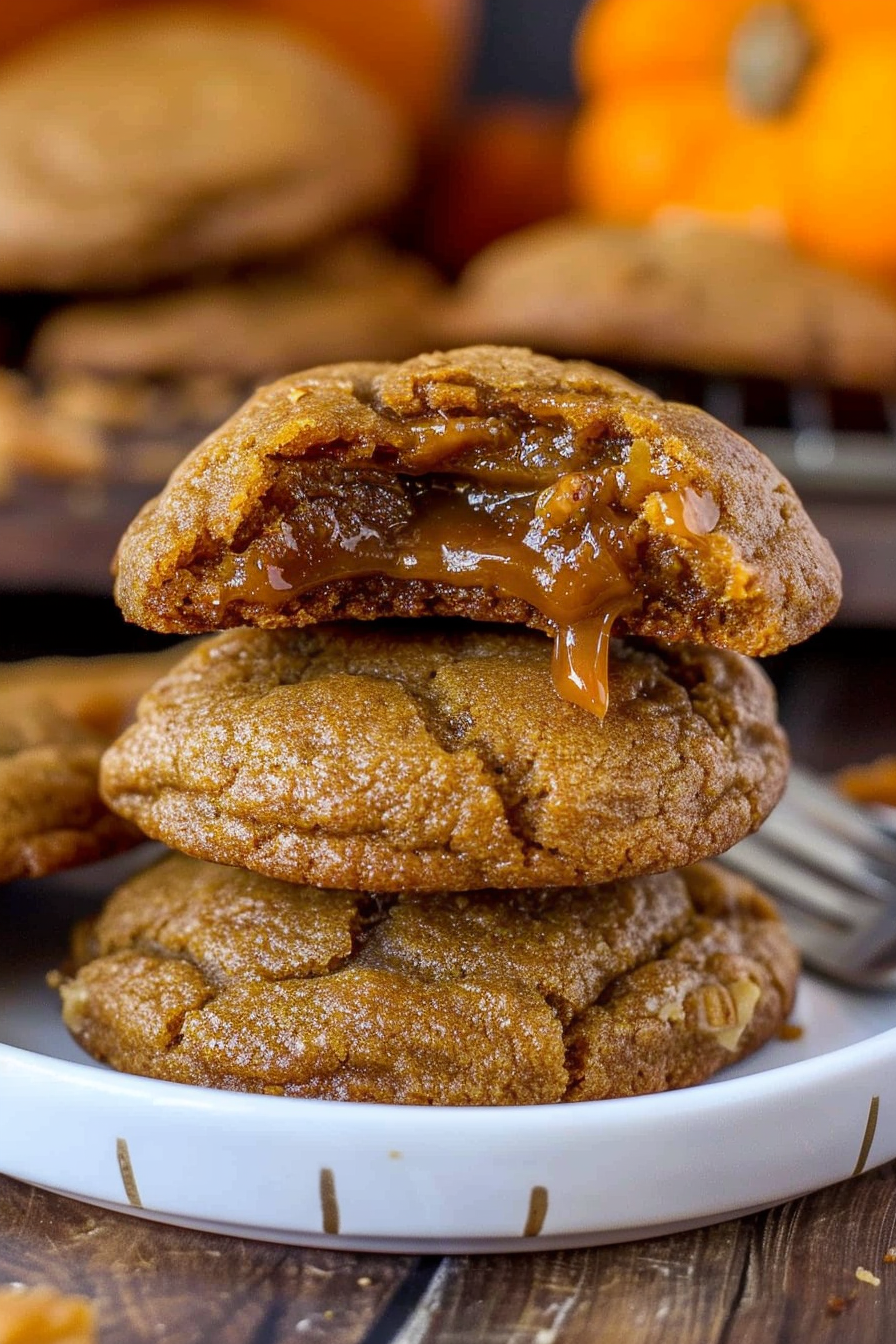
column 152, row 1282
column 766, row 1278
column 760, row 1279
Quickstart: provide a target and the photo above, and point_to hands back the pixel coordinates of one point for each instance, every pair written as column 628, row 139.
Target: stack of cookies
column 454, row 858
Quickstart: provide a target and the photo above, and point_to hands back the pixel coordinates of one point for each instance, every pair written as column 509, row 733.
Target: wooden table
column 787, row 1275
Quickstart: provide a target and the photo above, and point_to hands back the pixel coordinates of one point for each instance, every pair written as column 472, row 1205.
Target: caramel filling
column 564, row 547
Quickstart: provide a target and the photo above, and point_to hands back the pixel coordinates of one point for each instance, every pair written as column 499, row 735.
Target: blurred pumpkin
column 776, row 114
column 501, row 167
column 413, row 51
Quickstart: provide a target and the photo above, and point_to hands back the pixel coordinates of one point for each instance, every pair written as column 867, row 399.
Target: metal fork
column 831, row 867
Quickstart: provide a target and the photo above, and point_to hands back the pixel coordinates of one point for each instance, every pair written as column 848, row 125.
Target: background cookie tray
column 802, row 1114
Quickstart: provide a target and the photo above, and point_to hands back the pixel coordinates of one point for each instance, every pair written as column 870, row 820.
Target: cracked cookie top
column 215, row 976
column 489, row 483
column 435, row 756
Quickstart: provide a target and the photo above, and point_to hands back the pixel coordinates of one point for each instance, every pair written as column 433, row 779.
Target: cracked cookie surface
column 349, row 490
column 421, row 756
column 215, row 976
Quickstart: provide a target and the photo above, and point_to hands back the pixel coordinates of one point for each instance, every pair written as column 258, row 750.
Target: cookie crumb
column 364, row 1281
column 865, row 1276
column 44, row 1316
column 890, row 1256
column 790, row 1031
column 836, row 1304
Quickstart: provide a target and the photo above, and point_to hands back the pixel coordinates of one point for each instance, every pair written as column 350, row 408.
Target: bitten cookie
column 489, row 483
column 680, row 292
column 435, row 756
column 214, row 976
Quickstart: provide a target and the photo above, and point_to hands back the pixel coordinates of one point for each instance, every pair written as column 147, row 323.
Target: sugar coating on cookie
column 214, row 976
column 429, row 756
column 490, row 483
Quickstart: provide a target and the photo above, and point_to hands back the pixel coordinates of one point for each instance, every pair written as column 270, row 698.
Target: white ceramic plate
column 799, row 1115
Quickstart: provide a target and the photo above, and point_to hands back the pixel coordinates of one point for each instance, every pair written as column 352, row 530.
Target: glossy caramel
column 503, row 508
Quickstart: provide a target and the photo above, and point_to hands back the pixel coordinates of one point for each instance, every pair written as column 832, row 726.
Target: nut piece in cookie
column 56, row 717
column 214, row 976
column 435, row 756
column 681, row 291
column 489, row 483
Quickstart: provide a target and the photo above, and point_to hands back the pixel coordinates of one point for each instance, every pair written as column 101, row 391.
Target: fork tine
column 797, row 833
column 833, row 871
column 792, row 882
column 818, row 799
column 863, row 955
column 819, row 943
column 874, row 945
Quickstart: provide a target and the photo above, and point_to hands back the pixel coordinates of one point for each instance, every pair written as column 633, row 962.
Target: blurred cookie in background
column 57, row 715
column 353, row 298
column 145, row 143
column 682, row 292
column 415, row 52
column 42, row 1314
column 100, row 692
column 872, row 782
column 37, row 439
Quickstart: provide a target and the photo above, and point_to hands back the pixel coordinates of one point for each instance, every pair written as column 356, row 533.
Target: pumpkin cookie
column 679, row 292
column 56, row 717
column 51, row 814
column 407, row 756
column 355, row 297
column 148, row 142
column 214, row 976
column 489, row 483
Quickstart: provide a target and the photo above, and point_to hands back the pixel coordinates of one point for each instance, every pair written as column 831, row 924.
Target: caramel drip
column 565, row 550
column 580, row 669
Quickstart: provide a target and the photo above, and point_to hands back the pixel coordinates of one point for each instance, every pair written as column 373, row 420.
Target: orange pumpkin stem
column 770, row 52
